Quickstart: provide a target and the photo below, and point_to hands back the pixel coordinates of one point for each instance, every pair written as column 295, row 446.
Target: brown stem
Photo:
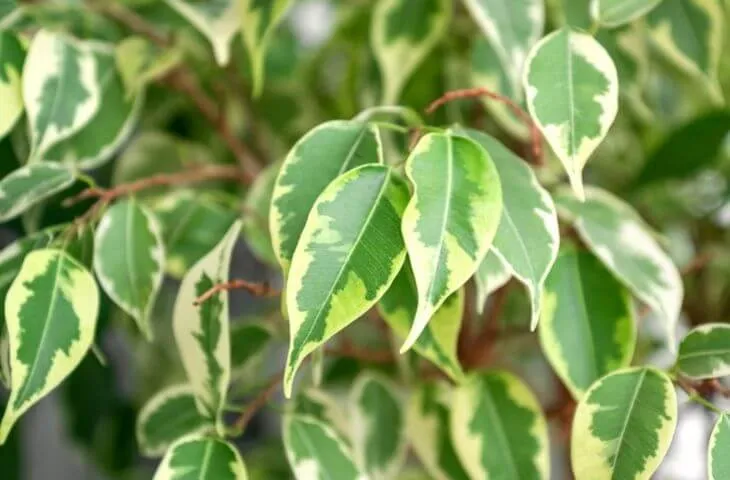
column 482, row 346
column 256, row 289
column 258, row 403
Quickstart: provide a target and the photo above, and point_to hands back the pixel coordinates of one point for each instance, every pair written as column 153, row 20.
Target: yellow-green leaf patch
column 718, row 460
column 705, row 352
column 203, row 458
column 12, row 57
column 140, row 62
column 31, row 184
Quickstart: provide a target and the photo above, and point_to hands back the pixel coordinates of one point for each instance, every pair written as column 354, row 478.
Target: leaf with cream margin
column 12, row 56
column 705, row 352
column 203, row 458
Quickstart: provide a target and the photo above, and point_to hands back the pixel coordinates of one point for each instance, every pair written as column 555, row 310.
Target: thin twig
column 258, row 403
column 256, row 289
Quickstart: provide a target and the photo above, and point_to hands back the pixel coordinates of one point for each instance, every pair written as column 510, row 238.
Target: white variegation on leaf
column 203, row 458
column 493, row 273
column 614, row 13
column 12, row 56
column 31, row 184
column 718, row 460
column 705, row 352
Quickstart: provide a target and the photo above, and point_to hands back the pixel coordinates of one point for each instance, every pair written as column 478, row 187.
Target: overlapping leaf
column 140, row 62
column 323, row 406
column 248, row 341
column 718, row 461
column 12, row 56
column 256, row 215
column 613, row 13
column 491, row 275
column 202, row 458
column 705, row 352
column 30, row 185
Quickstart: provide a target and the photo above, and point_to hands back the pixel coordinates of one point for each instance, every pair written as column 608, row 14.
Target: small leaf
column 316, row 452
column 491, row 275
column 31, row 184
column 624, row 425
column 705, row 352
column 140, row 62
column 451, row 219
column 718, row 462
column 12, row 57
column 129, row 258
column 257, row 207
column 168, row 416
column 248, row 340
column 614, row 13
column 202, row 458
column 588, row 326
column 571, row 85
column 51, row 311
column 350, row 252
column 322, row 406
column 498, row 428
column 379, row 432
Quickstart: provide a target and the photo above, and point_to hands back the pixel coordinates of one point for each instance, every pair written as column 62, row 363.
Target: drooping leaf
column 718, row 461
column 248, row 340
column 619, row 237
column 202, row 332
column 316, row 452
column 379, row 433
column 12, row 56
column 167, row 417
column 624, row 425
column 439, row 340
column 30, row 185
column 140, row 62
column 498, row 428
column 322, row 406
column 129, row 259
column 614, row 13
column 491, row 275
column 257, row 207
column 349, row 253
column 203, row 458
column 51, row 310
column 403, row 33
column 705, row 352
column 451, row 219
column 588, row 325
column 322, row 155
column 571, row 85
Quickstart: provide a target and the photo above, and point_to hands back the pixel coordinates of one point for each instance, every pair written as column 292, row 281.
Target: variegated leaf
column 718, row 461
column 588, row 326
column 218, row 20
column 350, row 251
column 51, row 311
column 248, row 341
column 322, row 155
column 324, row 407
column 140, row 62
column 316, row 452
column 438, row 342
column 491, row 275
column 498, row 429
column 613, row 13
column 203, row 458
column 167, row 417
column 705, row 352
column 571, row 87
column 624, row 425
column 13, row 255
column 12, row 56
column 402, row 34
column 202, row 332
column 451, row 219
column 528, row 238
column 61, row 91
column 619, row 237
column 257, row 207
column 30, row 185
column 129, row 259
column 379, row 431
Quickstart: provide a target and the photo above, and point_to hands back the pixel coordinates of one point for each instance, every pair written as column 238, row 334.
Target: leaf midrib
column 499, row 430
column 620, row 438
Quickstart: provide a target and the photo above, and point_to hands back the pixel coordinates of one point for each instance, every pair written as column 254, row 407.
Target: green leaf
column 571, row 86
column 12, row 57
column 202, row 331
column 624, row 425
column 316, row 452
column 614, row 13
column 705, row 352
column 322, row 406
column 718, row 462
column 350, row 252
column 30, row 185
column 319, row 157
column 439, row 340
column 491, row 275
column 51, row 310
column 451, row 219
column 257, row 207
column 379, row 433
column 60, row 89
column 403, row 33
column 619, row 237
column 168, row 416
column 498, row 428
column 202, row 458
column 588, row 326
column 140, row 62
column 9, row 10
column 428, row 418
column 129, row 258
column 248, row 341
column 528, row 238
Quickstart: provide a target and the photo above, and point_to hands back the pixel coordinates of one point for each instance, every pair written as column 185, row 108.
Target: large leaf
column 12, row 56
column 718, row 461
column 498, row 428
column 491, row 275
column 167, row 417
column 61, row 91
column 257, row 207
column 202, row 331
column 129, row 259
column 451, row 220
column 624, row 425
column 319, row 157
column 202, row 458
column 402, row 35
column 379, row 433
column 620, row 238
column 316, row 452
column 350, row 251
column 30, row 185
column 51, row 310
column 705, row 352
column 613, row 13
column 571, row 86
column 528, row 238
column 588, row 324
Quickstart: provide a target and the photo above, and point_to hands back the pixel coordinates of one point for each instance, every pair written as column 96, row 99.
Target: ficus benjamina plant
column 448, row 239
